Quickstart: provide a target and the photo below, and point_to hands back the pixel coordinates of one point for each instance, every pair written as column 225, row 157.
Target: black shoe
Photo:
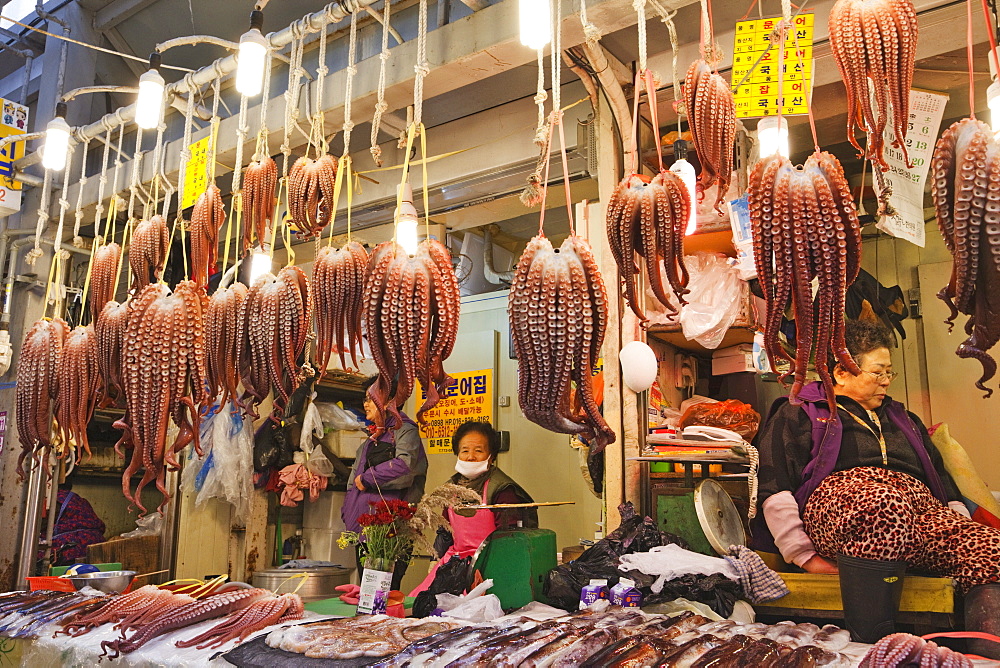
column 982, row 613
column 870, row 591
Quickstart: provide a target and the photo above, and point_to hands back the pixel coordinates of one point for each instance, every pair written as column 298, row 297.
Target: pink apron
column 468, row 534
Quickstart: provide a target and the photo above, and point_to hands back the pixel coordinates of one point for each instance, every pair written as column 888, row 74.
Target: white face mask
column 472, row 469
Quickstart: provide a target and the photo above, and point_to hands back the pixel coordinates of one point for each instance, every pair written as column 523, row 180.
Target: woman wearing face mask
column 477, row 445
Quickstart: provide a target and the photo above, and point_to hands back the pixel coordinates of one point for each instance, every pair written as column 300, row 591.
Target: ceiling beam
column 117, row 11
column 118, row 43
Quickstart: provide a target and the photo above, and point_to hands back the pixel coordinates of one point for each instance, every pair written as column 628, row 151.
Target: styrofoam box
column 325, row 512
column 344, row 444
column 735, row 359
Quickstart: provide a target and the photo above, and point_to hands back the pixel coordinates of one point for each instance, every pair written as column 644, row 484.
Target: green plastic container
column 517, row 560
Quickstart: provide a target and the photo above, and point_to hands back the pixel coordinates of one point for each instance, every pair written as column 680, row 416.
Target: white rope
column 590, row 32
column 161, row 163
column 640, row 8
column 754, row 458
column 380, row 106
column 352, row 70
column 319, row 119
column 185, row 146
column 667, row 17
column 78, row 213
column 213, row 134
column 103, row 180
column 292, row 91
column 262, row 150
column 136, row 166
column 556, row 56
column 242, row 131
column 540, row 97
column 64, row 206
column 118, row 162
column 786, row 10
column 422, row 68
column 43, row 219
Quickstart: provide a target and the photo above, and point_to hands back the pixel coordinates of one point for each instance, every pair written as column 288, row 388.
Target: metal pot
column 321, row 583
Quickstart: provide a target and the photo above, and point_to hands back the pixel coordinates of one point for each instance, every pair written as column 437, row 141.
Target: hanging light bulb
column 685, row 170
column 252, row 58
column 406, row 220
column 536, row 23
column 260, row 264
column 772, row 135
column 56, row 146
column 149, row 105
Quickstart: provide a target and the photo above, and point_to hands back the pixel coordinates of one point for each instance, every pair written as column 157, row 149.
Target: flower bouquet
column 385, row 538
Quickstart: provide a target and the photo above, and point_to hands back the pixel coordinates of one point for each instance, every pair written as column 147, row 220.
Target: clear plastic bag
column 312, row 428
column 716, row 293
column 335, row 417
column 226, row 470
column 148, row 525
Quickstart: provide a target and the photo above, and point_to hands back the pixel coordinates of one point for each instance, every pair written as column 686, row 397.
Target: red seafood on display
column 276, row 319
column 206, row 221
column 147, row 251
column 103, row 272
column 164, row 377
column 37, row 385
column 711, row 113
column 805, row 227
column 263, row 612
column 115, row 609
column 259, row 181
column 412, row 307
column 965, row 185
column 649, row 217
column 310, row 193
column 338, row 284
column 79, row 382
column 903, row 649
column 225, row 342
column 874, row 43
column 109, row 330
column 558, row 314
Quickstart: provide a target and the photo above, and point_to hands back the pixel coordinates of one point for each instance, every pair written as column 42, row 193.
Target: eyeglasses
column 882, row 376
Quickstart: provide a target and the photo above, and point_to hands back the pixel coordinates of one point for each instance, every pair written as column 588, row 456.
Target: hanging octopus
column 649, row 218
column 411, row 322
column 37, row 386
column 311, row 186
column 965, row 173
column 874, row 43
column 109, row 331
column 275, row 320
column 711, row 113
column 79, row 382
column 225, row 342
column 164, row 376
column 147, row 251
column 805, row 227
column 238, row 625
column 103, row 272
column 558, row 311
column 206, row 221
column 338, row 284
column 260, row 178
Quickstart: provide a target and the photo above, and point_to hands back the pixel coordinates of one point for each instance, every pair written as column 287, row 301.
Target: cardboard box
column 735, row 359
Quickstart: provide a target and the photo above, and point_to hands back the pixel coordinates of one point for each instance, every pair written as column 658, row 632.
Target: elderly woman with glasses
column 866, row 494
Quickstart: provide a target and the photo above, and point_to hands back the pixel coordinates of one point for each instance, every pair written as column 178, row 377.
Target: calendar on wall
column 907, row 181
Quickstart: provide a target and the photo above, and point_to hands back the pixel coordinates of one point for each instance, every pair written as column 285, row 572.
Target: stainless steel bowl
column 110, row 582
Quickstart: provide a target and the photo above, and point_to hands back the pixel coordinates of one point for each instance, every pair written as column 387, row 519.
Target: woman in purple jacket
column 393, row 466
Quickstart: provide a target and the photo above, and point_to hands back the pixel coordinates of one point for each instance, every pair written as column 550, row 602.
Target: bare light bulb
column 685, row 170
column 536, row 23
column 56, row 146
column 252, row 58
column 260, row 264
column 406, row 220
column 772, row 135
column 149, row 104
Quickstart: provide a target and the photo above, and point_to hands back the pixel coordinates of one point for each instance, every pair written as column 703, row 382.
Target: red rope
column 972, row 78
column 993, row 39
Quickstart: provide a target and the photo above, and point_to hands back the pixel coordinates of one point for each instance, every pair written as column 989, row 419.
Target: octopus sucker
column 225, row 342
column 37, row 385
column 79, row 382
column 147, row 251
column 103, row 272
column 310, row 194
column 711, row 111
column 337, row 284
column 260, row 178
column 207, row 219
column 805, row 227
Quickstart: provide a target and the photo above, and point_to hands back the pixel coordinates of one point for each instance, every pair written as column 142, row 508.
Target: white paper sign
column 907, row 183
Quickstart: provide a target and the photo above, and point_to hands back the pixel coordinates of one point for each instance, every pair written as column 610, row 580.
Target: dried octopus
column 183, row 616
column 649, row 217
column 103, row 272
column 164, row 375
column 903, row 649
column 261, row 613
column 965, row 172
column 147, row 251
column 338, row 284
column 711, row 113
column 206, row 221
column 259, row 181
column 109, row 330
column 310, row 193
column 79, row 382
column 37, row 386
column 558, row 314
column 874, row 43
column 225, row 340
column 411, row 322
column 275, row 320
column 805, row 227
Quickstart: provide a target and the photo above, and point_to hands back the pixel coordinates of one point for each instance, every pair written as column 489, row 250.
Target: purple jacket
column 401, row 477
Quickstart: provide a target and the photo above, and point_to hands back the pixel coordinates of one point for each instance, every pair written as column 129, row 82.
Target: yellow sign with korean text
column 757, row 72
column 196, row 172
column 13, row 121
column 470, row 398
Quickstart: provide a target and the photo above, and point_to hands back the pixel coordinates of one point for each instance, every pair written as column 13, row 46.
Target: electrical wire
column 92, row 46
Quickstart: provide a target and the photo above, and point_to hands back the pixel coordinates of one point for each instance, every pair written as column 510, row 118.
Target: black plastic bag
column 716, row 591
column 452, row 577
column 635, row 534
